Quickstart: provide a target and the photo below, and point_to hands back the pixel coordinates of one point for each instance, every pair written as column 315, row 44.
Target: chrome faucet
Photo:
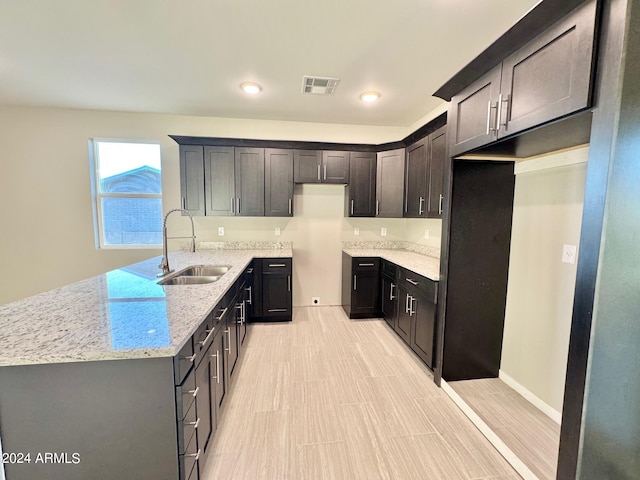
column 164, row 264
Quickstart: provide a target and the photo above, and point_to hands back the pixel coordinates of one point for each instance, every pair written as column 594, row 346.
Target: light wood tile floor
column 528, row 432
column 325, row 397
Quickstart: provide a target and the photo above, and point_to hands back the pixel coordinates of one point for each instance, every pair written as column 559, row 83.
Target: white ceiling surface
column 190, row 56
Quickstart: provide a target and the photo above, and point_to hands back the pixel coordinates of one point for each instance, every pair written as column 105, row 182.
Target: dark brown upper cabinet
column 320, row 166
column 361, row 198
column 437, row 153
column 249, row 170
column 219, row 181
column 192, row 179
column 416, row 179
column 390, row 183
column 548, row 78
column 278, row 182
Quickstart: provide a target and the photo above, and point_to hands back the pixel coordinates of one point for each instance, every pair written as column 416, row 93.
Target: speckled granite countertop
column 122, row 314
column 421, row 264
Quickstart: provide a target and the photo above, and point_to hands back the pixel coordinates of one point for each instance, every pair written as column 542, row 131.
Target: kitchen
column 57, row 140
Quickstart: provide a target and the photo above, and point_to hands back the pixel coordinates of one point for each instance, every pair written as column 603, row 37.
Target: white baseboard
column 540, row 404
column 499, row 445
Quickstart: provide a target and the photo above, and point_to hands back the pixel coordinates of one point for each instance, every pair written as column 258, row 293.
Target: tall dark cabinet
column 361, row 198
column 390, row 183
column 278, row 182
column 416, row 179
column 438, row 154
column 249, row 176
column 191, row 179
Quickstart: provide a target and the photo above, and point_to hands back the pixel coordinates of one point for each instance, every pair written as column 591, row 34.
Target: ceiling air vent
column 319, row 85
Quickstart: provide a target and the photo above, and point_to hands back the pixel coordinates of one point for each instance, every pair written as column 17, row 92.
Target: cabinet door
column 203, row 401
column 218, row 381
column 362, row 184
column 278, row 182
column 472, row 113
column 220, row 181
column 276, row 294
column 403, row 324
column 230, row 344
column 192, row 179
column 241, row 318
column 550, row 77
column 365, row 293
column 437, row 151
column 417, row 173
column 389, row 300
column 335, row 167
column 307, row 166
column 424, row 315
column 390, row 183
column 249, row 181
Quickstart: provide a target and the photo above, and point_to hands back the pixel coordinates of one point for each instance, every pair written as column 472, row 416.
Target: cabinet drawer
column 203, row 337
column 183, row 362
column 186, row 395
column 187, row 428
column 419, row 285
column 189, row 459
column 388, row 268
column 366, row 264
column 276, row 265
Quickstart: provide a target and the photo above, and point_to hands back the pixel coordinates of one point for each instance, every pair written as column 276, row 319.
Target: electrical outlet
column 277, row 231
column 221, row 231
column 426, row 234
column 315, row 301
column 356, row 231
column 569, row 253
column 383, row 232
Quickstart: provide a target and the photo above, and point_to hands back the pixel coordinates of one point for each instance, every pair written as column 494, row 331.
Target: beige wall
column 547, row 214
column 46, row 223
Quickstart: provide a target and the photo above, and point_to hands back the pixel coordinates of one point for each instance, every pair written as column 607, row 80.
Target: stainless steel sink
column 196, row 275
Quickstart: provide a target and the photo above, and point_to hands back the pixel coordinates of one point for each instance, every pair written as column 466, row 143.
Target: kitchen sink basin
column 196, row 275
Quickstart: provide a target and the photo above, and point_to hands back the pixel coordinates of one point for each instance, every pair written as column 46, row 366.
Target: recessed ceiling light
column 251, row 88
column 369, row 97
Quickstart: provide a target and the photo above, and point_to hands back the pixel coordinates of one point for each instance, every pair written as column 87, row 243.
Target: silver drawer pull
column 191, row 358
column 222, row 314
column 217, row 376
column 209, row 333
column 279, row 265
column 196, row 455
column 277, row 310
column 412, row 282
column 195, row 424
column 391, row 297
column 194, row 392
column 250, row 299
column 366, row 264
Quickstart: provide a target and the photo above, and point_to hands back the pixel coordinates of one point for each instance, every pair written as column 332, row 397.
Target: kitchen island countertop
column 122, row 314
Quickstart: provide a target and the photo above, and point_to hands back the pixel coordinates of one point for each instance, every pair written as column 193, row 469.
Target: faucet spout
column 164, row 264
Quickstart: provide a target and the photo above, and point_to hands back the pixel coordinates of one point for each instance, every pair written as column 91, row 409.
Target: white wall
column 46, row 223
column 547, row 214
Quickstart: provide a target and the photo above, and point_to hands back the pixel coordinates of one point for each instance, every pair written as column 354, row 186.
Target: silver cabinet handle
column 277, row 310
column 499, row 113
column 506, row 118
column 238, row 202
column 412, row 282
column 223, row 313
column 325, row 172
column 290, row 207
column 239, row 307
column 194, row 393
column 366, row 264
column 391, row 297
column 277, row 265
column 191, row 358
column 184, row 203
column 228, row 332
column 406, row 304
column 377, row 208
column 420, row 206
column 289, row 283
column 195, row 424
column 250, row 299
column 206, row 339
column 233, row 205
column 244, row 316
column 318, row 172
column 440, row 204
column 489, row 108
column 351, row 207
column 197, row 455
column 355, row 282
column 217, row 375
column 411, row 310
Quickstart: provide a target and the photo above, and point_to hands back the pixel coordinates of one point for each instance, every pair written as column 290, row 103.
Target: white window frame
column 97, row 196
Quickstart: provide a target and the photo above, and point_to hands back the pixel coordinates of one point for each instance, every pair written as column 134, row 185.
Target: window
column 127, row 186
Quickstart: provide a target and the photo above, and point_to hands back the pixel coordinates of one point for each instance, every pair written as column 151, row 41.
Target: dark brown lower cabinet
column 272, row 298
column 389, row 299
column 403, row 323
column 361, row 286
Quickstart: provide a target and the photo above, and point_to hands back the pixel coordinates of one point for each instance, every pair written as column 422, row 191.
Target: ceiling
column 190, row 56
